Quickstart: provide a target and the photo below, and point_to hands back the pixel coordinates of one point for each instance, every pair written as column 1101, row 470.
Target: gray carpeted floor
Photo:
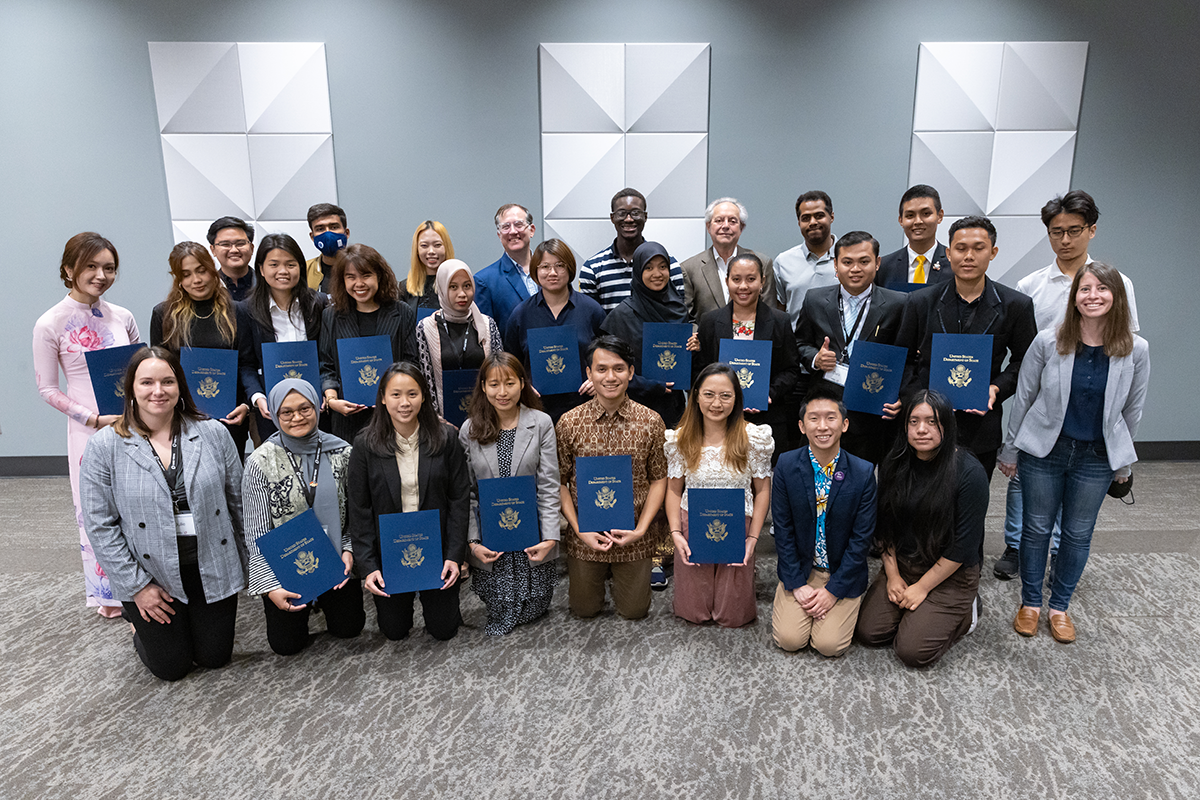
column 609, row 708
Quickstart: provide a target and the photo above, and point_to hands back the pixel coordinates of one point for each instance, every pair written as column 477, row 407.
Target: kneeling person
column 823, row 505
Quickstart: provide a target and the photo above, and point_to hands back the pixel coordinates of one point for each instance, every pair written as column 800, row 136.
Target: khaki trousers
column 793, row 629
column 630, row 587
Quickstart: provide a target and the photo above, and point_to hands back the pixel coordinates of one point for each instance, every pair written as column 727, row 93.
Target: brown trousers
column 630, row 589
column 923, row 636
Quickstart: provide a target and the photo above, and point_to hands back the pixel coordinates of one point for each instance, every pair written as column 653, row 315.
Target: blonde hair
column 181, row 310
column 415, row 284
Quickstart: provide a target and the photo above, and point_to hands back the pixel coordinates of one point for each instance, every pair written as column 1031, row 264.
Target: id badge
column 838, row 374
column 185, row 525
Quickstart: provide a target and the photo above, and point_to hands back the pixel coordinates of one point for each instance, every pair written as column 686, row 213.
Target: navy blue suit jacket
column 499, row 288
column 849, row 521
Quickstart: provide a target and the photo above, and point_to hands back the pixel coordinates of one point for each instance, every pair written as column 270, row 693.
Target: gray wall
column 435, row 114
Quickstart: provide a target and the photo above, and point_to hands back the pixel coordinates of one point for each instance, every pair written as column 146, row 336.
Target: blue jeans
column 1071, row 480
column 1012, row 518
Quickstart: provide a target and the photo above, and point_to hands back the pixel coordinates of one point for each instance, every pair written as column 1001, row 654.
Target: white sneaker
column 976, row 613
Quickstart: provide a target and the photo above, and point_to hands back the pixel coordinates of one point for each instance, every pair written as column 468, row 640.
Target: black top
column 970, row 511
column 428, row 298
column 367, row 322
column 460, row 346
column 239, row 289
column 204, row 333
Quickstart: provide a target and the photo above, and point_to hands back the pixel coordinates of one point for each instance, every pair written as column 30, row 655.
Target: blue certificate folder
column 554, row 359
column 212, row 379
column 751, row 361
column 717, row 525
column 508, row 513
column 361, row 362
column 457, row 386
column 876, row 371
column 282, row 360
column 423, row 312
column 960, row 367
column 302, row 557
column 665, row 356
column 106, row 368
column 410, row 547
column 604, row 485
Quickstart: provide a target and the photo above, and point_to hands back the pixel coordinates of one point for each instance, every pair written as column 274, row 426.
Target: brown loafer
column 1061, row 628
column 1026, row 622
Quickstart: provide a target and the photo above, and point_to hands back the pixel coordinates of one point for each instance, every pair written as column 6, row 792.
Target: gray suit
column 535, row 452
column 1044, row 389
column 702, row 283
column 128, row 519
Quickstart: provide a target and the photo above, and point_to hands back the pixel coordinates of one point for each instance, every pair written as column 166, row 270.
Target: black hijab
column 643, row 305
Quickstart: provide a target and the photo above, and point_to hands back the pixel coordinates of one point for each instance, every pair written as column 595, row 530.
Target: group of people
column 170, row 507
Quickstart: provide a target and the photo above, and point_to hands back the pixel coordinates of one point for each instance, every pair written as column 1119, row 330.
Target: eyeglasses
column 552, row 268
column 1072, row 232
column 288, row 414
column 241, row 244
column 514, row 227
column 635, row 214
column 726, row 397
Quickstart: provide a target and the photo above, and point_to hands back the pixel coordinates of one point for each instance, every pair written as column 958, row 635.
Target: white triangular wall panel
column 580, row 173
column 669, row 92
column 1026, row 166
column 1023, row 245
column 313, row 182
column 296, row 228
column 191, row 230
column 924, row 167
column 585, row 237
column 1026, row 102
column 941, row 103
column 215, row 105
column 566, row 106
column 302, row 105
column 208, row 175
column 599, row 69
column 274, row 161
column 681, row 191
column 966, row 156
column 682, row 237
column 974, row 66
column 1059, row 67
column 268, row 68
column 177, row 68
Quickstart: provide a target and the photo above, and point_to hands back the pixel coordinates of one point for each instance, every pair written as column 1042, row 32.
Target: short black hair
column 613, row 344
column 627, row 192
column 823, row 390
column 815, row 194
column 852, row 238
column 1074, row 202
column 974, row 221
column 918, row 191
column 229, row 222
column 326, row 210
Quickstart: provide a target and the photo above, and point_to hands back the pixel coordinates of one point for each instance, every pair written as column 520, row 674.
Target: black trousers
column 198, row 633
column 439, row 608
column 287, row 631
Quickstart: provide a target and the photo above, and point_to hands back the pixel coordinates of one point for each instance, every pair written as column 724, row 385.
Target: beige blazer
column 702, row 283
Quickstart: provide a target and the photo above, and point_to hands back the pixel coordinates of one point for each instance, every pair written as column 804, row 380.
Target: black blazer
column 770, row 324
column 1004, row 313
column 373, row 488
column 251, row 336
column 397, row 321
column 819, row 318
column 893, row 268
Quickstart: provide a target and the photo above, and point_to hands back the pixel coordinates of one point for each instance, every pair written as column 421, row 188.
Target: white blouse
column 713, row 473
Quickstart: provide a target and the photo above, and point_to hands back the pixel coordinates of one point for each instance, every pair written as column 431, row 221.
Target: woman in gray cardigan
column 161, row 491
column 506, row 434
column 1079, row 400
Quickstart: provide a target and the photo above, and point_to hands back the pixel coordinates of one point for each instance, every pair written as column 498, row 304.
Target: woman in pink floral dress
column 79, row 323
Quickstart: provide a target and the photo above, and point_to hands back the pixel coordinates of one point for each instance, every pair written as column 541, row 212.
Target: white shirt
column 912, row 262
column 1049, row 288
column 723, row 271
column 285, row 323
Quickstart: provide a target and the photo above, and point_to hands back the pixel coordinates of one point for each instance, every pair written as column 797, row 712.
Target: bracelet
column 752, row 538
column 676, row 531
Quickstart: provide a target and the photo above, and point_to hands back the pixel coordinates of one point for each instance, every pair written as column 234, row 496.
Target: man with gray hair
column 704, row 274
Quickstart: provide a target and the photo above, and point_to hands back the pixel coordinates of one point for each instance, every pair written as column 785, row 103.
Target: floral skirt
column 515, row 591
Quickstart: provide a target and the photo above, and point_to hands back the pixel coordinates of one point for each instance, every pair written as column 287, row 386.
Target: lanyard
column 309, row 486
column 172, row 474
column 462, row 357
column 852, row 334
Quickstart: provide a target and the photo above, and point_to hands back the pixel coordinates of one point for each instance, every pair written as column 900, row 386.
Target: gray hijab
column 304, row 450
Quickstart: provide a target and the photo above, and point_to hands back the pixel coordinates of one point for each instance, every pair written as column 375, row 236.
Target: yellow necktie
column 919, row 275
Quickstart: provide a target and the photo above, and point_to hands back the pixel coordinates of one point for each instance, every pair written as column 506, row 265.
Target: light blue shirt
column 798, row 270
